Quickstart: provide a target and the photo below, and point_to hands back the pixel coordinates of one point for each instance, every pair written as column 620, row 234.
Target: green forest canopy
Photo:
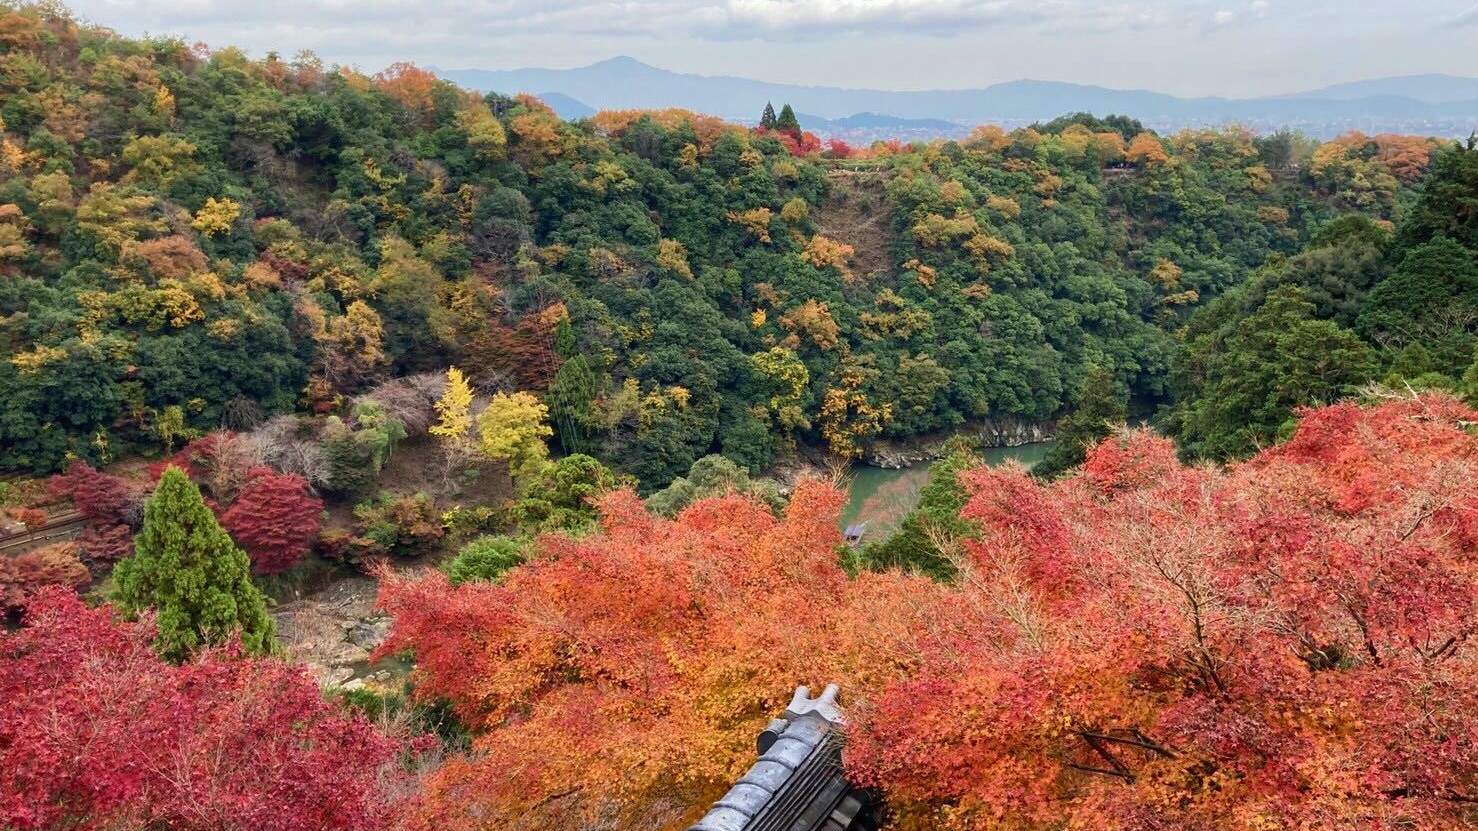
column 193, row 239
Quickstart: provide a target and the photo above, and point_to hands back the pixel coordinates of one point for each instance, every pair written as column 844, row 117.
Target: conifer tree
column 187, row 568
column 566, row 345
column 767, row 119
column 787, row 122
column 1099, row 409
column 569, row 398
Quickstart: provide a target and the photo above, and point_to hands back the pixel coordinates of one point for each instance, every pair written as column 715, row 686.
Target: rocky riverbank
column 1005, row 432
column 333, row 633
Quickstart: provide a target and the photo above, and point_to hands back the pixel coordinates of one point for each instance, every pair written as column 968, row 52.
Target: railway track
column 61, row 527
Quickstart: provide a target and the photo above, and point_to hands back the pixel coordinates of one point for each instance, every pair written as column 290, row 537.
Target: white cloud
column 814, row 19
column 1222, row 18
column 818, row 16
column 884, row 43
column 388, row 22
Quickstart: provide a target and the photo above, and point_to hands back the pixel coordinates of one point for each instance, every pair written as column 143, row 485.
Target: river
column 881, row 497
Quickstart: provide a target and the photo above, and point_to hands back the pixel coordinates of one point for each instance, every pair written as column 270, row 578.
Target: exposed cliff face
column 1003, row 432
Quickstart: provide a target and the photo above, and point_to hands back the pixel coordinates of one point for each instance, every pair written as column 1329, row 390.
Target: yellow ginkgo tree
column 454, row 409
column 514, row 427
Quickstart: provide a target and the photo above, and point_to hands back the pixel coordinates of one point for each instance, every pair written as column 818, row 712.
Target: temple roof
column 797, row 783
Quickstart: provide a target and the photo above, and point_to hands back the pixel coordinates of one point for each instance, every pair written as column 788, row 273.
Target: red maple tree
column 99, row 496
column 1287, row 642
column 274, row 518
column 98, row 733
column 111, row 504
column 1284, row 643
column 24, row 575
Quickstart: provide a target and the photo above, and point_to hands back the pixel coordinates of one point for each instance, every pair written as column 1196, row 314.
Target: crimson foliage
column 98, row 733
column 274, row 518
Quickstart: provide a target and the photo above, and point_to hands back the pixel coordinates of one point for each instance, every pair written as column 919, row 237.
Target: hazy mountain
column 566, row 107
column 1432, row 89
column 877, row 121
column 1437, row 104
column 626, row 83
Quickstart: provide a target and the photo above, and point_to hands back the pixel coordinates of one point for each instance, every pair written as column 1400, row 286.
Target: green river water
column 881, row 497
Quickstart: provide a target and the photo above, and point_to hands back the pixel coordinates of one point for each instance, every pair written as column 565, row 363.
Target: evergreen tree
column 559, row 499
column 1240, row 387
column 767, row 118
column 566, row 345
column 486, row 558
column 1412, row 362
column 787, row 122
column 1445, row 208
column 1469, row 387
column 187, row 568
column 1099, row 409
column 1431, row 297
column 569, row 399
column 711, row 476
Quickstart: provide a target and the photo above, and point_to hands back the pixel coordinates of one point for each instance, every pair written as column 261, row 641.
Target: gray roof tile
column 805, row 731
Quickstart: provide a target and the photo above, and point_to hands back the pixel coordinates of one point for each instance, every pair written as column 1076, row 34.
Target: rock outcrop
column 1004, row 432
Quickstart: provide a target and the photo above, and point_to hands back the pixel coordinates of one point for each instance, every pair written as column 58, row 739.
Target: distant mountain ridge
column 1430, row 89
column 1437, row 104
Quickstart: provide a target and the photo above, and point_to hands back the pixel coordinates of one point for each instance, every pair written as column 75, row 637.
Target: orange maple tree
column 622, row 678
column 1284, row 643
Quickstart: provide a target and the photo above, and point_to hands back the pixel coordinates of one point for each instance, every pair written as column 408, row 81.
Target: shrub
column 101, row 497
column 22, row 576
column 406, row 526
column 486, row 558
column 558, row 499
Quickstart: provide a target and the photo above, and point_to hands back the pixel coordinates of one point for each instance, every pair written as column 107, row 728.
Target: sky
column 1235, row 48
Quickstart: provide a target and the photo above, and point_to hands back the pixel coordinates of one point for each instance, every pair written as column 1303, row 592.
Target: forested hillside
column 283, row 340
column 1358, row 304
column 196, row 240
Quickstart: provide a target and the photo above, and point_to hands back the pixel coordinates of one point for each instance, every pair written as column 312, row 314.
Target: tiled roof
column 797, row 783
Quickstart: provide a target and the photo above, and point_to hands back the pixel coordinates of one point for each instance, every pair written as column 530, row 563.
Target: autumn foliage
column 24, row 575
column 273, row 516
column 1283, row 643
column 409, row 84
column 274, row 519
column 97, row 733
column 525, row 350
column 98, row 496
column 630, row 670
column 112, row 505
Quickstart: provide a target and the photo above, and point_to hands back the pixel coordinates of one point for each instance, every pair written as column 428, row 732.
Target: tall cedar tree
column 767, row 118
column 187, row 568
column 570, row 400
column 787, row 122
column 1099, row 409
